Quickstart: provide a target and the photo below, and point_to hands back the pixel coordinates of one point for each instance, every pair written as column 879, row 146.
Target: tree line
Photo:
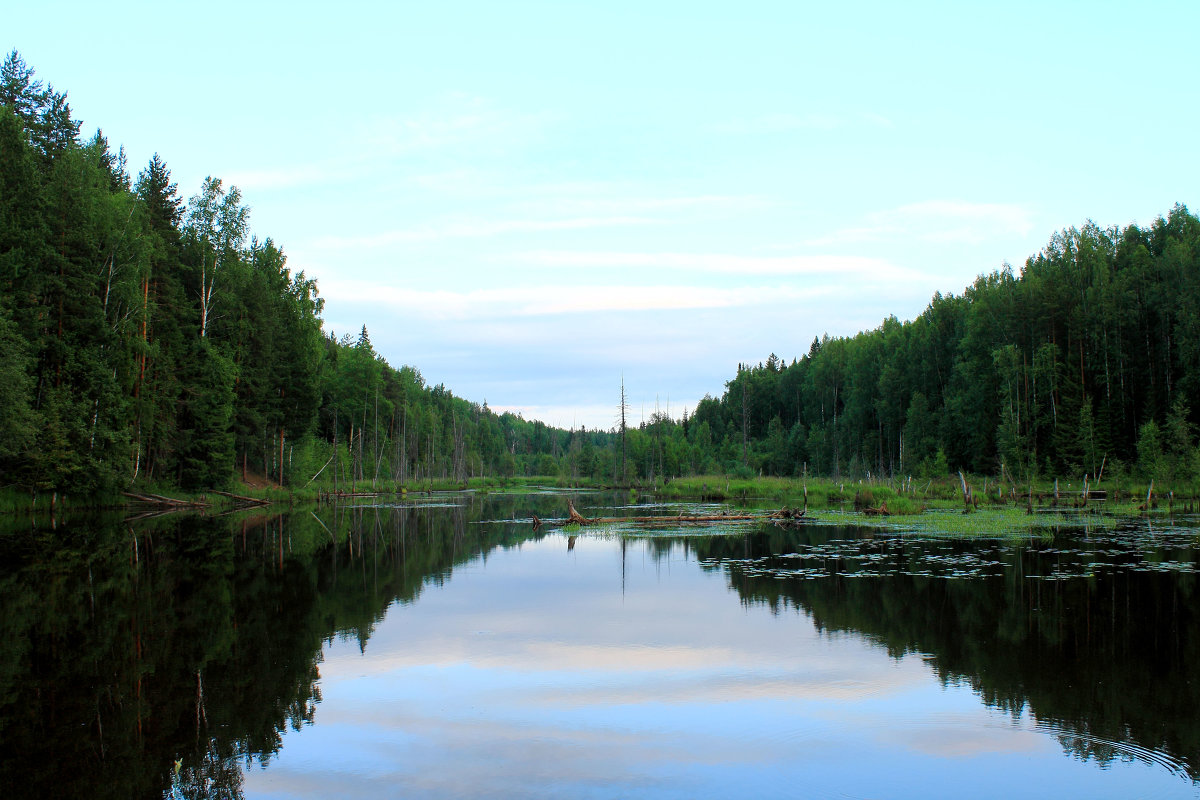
column 152, row 340
column 148, row 339
column 1084, row 361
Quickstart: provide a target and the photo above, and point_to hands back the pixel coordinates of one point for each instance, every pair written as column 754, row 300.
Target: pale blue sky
column 527, row 201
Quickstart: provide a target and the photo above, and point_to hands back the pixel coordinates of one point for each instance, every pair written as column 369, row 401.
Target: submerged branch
column 783, row 516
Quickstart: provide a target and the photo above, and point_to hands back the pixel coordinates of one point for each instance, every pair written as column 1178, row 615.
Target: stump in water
column 575, row 517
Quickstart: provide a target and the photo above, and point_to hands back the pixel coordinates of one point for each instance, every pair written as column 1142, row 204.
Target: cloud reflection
column 548, row 673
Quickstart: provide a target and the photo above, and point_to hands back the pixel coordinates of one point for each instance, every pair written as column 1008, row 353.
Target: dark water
column 443, row 649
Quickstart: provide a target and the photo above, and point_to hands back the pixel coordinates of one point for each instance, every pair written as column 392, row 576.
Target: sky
column 531, row 202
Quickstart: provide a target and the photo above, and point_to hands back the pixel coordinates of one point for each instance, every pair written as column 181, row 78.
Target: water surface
column 444, row 649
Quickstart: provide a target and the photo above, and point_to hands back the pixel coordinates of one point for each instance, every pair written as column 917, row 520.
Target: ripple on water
column 1088, row 747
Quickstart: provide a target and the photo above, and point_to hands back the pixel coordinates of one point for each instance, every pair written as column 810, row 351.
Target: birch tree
column 218, row 221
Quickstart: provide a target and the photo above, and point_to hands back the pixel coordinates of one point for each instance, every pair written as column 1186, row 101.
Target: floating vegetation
column 990, row 543
column 986, row 522
column 1070, row 553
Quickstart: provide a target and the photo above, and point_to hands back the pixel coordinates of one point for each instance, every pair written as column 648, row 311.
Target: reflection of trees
column 195, row 639
column 1107, row 658
column 128, row 647
column 214, row 773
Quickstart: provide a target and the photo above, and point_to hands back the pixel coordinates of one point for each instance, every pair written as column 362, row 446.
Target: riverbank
column 883, row 498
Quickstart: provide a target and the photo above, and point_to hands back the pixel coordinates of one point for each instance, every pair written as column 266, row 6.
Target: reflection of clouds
column 675, row 637
column 716, row 687
column 580, row 675
column 966, row 739
column 538, row 675
column 495, row 758
column 965, row 735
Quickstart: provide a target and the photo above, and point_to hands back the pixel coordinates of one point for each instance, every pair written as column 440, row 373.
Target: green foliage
column 1052, row 370
column 142, row 339
column 1150, row 457
column 17, row 423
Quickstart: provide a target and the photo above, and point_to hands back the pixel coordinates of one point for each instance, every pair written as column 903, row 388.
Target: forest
column 148, row 340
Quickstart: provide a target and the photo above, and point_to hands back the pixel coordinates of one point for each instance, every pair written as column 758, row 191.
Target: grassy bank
column 859, row 497
column 914, row 497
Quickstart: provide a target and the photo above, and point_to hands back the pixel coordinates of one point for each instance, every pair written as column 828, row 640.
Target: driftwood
column 787, row 518
column 160, row 500
column 254, row 501
column 784, row 516
column 171, row 503
column 880, row 511
column 575, row 517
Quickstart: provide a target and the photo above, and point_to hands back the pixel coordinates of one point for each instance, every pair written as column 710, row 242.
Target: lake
column 439, row 647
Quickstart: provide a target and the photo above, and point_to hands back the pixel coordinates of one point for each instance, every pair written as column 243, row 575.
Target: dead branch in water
column 784, row 515
column 254, row 501
column 159, row 500
column 880, row 511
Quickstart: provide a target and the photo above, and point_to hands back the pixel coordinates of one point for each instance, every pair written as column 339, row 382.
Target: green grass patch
column 999, row 521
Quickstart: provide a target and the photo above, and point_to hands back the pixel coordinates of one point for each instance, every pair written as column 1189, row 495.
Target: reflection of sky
column 536, row 675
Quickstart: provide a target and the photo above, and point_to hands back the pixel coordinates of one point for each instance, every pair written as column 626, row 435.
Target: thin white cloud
column 618, row 200
column 577, row 198
column 469, row 229
column 878, row 120
column 786, row 122
column 874, row 269
column 937, row 221
column 564, row 416
column 288, row 177
column 779, row 123
column 457, row 120
column 559, row 300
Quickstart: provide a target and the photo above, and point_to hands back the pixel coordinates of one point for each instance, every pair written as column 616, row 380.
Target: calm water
column 441, row 649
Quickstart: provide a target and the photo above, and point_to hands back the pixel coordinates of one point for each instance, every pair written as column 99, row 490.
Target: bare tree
column 624, row 411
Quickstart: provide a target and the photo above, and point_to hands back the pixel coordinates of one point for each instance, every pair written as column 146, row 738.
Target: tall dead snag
column 968, row 499
column 624, row 410
column 1146, row 506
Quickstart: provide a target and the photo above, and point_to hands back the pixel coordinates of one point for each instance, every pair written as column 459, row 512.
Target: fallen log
column 575, row 518
column 881, row 511
column 658, row 518
column 159, row 500
column 257, row 501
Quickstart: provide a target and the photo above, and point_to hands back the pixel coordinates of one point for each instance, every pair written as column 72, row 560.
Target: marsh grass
column 813, row 492
column 15, row 501
column 829, row 493
column 999, row 521
column 936, row 506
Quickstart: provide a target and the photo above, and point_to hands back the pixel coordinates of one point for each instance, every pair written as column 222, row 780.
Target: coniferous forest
column 146, row 338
